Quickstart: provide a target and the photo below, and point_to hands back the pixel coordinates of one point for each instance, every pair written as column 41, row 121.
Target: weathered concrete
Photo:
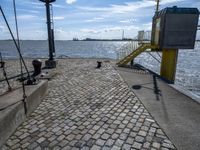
column 12, row 112
column 89, row 108
column 10, row 119
column 176, row 113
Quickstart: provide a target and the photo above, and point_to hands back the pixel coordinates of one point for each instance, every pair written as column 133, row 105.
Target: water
column 84, row 49
column 188, row 68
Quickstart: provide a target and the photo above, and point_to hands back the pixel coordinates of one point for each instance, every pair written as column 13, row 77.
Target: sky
column 103, row 19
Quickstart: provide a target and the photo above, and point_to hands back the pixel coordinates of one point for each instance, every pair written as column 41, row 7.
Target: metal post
column 157, row 6
column 168, row 64
column 50, row 63
column 49, row 31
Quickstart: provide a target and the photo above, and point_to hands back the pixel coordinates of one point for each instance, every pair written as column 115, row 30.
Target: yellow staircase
column 135, row 53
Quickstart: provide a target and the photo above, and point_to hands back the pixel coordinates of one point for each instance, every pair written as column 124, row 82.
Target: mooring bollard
column 99, row 64
column 37, row 64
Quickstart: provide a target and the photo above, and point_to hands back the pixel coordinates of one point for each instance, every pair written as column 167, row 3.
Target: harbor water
column 188, row 68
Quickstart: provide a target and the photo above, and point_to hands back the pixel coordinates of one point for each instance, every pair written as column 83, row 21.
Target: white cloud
column 3, row 29
column 58, row 6
column 59, row 18
column 128, row 21
column 26, row 17
column 70, row 1
column 96, row 19
column 128, row 6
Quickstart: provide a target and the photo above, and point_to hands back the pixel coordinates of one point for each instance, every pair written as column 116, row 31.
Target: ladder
column 135, row 53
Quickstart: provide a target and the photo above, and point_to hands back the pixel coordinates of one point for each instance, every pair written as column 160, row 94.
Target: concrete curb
column 13, row 112
column 186, row 92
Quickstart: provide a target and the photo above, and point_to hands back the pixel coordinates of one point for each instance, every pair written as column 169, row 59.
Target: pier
column 90, row 108
column 66, row 103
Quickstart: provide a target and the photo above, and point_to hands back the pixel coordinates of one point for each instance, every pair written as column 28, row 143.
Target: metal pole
column 13, row 38
column 157, row 6
column 49, row 30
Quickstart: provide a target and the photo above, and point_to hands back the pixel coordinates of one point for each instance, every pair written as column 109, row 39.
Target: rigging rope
column 21, row 66
column 13, row 38
column 4, row 72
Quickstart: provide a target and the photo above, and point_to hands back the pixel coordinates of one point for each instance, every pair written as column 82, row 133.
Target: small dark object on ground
column 31, row 81
column 136, row 87
column 2, row 63
column 99, row 64
column 37, row 64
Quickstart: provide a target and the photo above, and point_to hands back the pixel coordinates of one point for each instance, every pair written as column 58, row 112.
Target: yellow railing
column 143, row 47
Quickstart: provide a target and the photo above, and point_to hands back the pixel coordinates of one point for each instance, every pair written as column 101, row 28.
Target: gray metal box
column 175, row 28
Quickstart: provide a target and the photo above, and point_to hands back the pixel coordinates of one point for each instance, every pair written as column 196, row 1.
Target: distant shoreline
column 104, row 40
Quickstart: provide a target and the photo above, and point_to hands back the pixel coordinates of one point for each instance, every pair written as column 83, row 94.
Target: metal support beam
column 168, row 64
column 49, row 31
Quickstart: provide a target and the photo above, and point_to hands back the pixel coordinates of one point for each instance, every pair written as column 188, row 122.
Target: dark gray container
column 175, row 28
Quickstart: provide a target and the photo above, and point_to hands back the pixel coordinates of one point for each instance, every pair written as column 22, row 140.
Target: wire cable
column 21, row 67
column 13, row 38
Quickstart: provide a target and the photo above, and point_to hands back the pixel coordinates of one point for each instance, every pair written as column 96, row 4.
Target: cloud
column 128, row 6
column 59, row 18
column 3, row 29
column 58, row 6
column 28, row 11
column 90, row 31
column 96, row 19
column 128, row 21
column 70, row 1
column 26, row 17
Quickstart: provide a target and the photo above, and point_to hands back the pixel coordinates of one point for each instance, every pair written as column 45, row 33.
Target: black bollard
column 99, row 64
column 37, row 64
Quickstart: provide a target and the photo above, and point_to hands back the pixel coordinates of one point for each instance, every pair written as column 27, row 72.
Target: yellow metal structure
column 168, row 64
column 135, row 53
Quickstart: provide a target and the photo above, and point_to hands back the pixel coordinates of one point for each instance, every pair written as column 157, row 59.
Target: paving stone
column 146, row 145
column 156, row 145
column 105, row 136
column 100, row 142
column 115, row 136
column 40, row 140
column 139, row 139
column 142, row 133
column 167, row 145
column 130, row 140
column 115, row 148
column 137, row 145
column 95, row 147
column 126, row 147
column 119, row 143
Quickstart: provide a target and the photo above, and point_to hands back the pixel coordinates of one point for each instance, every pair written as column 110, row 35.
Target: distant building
column 75, row 39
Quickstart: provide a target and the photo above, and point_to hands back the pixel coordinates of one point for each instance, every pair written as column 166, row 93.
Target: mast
column 50, row 63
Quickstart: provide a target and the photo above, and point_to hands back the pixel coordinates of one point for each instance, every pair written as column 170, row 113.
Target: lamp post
column 50, row 63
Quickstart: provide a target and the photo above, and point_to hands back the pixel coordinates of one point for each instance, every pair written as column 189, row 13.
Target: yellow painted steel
column 135, row 53
column 168, row 64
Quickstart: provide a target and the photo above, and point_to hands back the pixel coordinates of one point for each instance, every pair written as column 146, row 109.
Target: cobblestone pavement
column 89, row 108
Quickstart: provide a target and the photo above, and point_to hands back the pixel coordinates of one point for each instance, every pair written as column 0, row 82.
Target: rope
column 154, row 57
column 20, row 58
column 13, row 38
column 4, row 72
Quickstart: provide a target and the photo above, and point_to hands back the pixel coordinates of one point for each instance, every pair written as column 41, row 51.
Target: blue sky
column 85, row 18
